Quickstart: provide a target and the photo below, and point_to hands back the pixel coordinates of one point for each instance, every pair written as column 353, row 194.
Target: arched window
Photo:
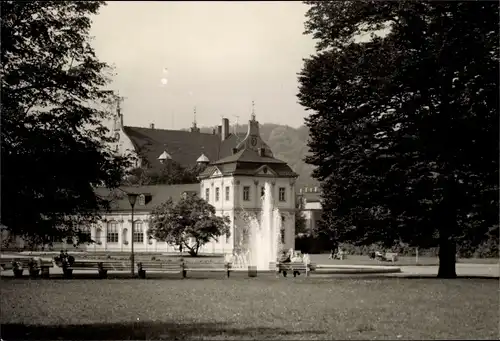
column 112, row 233
column 138, row 232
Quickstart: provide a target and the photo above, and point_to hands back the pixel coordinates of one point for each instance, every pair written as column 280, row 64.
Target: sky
column 170, row 57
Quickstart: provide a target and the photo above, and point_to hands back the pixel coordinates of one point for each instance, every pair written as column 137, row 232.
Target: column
column 273, row 192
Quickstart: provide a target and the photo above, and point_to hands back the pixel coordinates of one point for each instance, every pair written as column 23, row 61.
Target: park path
column 486, row 270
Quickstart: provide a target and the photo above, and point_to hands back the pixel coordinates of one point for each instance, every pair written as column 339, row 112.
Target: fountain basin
column 355, row 269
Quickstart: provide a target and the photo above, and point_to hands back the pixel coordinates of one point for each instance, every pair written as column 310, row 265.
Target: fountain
column 259, row 242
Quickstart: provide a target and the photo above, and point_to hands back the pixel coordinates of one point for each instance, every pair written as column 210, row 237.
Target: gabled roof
column 248, row 162
column 159, row 194
column 183, row 146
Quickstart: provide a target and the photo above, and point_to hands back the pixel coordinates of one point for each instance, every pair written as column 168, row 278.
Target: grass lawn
column 249, row 308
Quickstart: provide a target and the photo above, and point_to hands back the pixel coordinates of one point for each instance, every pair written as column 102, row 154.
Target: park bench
column 165, row 267
column 294, row 267
column 387, row 257
column 208, row 266
column 391, row 256
column 102, row 266
column 34, row 266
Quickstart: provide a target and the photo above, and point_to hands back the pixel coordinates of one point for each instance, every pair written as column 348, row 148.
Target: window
column 112, row 233
column 246, row 193
column 138, row 232
column 217, row 193
column 85, row 230
column 142, row 200
column 282, row 194
column 262, row 191
column 207, row 194
column 227, row 193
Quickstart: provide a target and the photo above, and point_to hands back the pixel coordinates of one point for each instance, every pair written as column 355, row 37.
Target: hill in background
column 288, row 144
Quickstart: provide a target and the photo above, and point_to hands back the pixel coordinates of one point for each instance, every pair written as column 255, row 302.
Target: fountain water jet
column 262, row 242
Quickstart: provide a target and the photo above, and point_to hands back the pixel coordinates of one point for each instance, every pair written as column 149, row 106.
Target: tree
column 169, row 175
column 404, row 129
column 53, row 104
column 189, row 223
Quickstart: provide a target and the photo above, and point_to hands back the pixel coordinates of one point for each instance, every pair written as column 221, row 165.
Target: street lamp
column 132, row 197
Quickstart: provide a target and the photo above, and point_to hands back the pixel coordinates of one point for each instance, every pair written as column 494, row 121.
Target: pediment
column 216, row 173
column 265, row 171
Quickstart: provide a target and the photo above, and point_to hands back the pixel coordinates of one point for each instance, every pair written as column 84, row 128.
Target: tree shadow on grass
column 411, row 276
column 145, row 331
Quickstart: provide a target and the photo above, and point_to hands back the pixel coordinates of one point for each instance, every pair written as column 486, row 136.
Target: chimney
column 219, row 130
column 235, row 150
column 151, row 125
column 225, row 128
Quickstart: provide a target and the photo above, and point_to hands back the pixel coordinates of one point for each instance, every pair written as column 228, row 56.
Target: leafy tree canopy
column 189, row 223
column 169, row 175
column 404, row 123
column 53, row 104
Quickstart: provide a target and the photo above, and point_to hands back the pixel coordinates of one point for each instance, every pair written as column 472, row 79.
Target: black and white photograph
column 249, row 170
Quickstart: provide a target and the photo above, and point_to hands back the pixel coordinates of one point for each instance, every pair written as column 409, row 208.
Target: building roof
column 251, row 156
column 183, row 146
column 247, row 155
column 158, row 193
column 248, row 162
column 310, row 194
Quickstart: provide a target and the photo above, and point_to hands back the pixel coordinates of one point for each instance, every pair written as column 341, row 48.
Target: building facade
column 233, row 184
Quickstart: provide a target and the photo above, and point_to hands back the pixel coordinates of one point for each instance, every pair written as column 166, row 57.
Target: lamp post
column 131, row 199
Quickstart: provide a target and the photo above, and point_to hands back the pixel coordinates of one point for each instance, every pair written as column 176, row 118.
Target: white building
column 233, row 184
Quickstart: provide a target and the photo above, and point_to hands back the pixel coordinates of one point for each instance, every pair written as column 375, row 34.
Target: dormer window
column 203, row 159
column 164, row 157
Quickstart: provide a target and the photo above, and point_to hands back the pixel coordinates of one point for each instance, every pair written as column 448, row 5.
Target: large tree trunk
column 447, row 258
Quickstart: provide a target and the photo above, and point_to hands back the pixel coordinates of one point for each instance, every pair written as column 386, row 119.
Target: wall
column 236, row 205
column 124, row 145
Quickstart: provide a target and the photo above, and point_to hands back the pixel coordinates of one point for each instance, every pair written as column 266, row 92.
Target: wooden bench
column 165, row 267
column 102, row 266
column 205, row 267
column 294, row 267
column 34, row 266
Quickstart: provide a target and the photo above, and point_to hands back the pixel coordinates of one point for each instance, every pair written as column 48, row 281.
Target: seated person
column 285, row 257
